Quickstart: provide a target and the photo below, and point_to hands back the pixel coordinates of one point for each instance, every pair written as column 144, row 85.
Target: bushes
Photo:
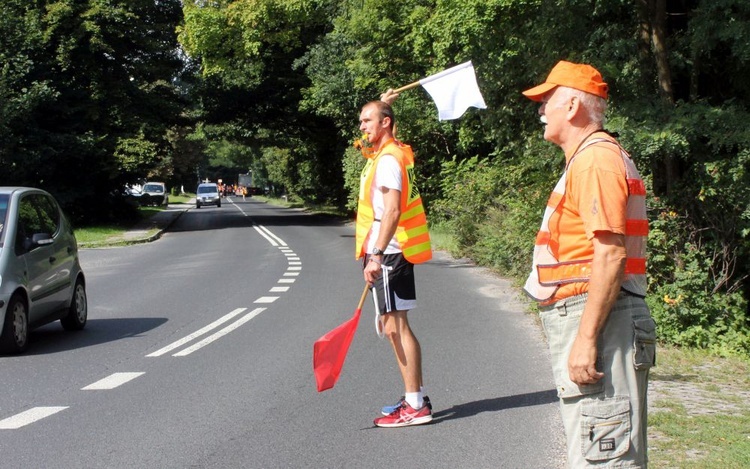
column 691, row 304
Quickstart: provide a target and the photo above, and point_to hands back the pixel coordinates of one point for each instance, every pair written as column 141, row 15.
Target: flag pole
column 407, row 87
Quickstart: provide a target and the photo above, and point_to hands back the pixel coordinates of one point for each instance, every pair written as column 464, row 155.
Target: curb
column 125, row 241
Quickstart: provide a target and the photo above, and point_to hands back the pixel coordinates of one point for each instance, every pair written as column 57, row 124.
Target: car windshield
column 207, row 189
column 153, row 188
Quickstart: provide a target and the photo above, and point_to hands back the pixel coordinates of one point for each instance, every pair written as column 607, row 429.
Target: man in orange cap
column 589, row 276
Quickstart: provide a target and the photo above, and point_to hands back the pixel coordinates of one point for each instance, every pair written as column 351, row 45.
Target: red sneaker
column 405, row 416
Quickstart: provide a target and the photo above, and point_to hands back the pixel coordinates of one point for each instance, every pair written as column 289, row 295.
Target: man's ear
column 574, row 105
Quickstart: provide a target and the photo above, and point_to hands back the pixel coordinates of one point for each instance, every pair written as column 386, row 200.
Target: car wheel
column 218, row 205
column 78, row 312
column 15, row 335
column 197, row 205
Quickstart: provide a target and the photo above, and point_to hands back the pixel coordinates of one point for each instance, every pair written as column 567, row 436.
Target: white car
column 40, row 275
column 207, row 194
column 154, row 193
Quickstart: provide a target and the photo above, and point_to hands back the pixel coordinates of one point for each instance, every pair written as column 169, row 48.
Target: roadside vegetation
column 113, row 233
column 699, row 411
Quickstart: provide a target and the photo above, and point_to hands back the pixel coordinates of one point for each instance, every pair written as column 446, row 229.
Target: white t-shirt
column 387, row 174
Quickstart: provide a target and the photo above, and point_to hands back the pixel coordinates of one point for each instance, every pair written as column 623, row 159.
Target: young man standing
column 392, row 236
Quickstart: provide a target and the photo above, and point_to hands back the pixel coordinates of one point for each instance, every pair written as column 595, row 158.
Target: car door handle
column 52, row 259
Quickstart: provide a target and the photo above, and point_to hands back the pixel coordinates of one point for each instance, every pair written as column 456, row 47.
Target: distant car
column 207, row 194
column 154, row 193
column 40, row 275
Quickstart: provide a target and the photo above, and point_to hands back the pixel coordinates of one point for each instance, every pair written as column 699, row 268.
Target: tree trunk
column 653, row 37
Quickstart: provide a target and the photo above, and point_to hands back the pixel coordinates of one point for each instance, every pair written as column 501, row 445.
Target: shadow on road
column 497, row 404
column 53, row 339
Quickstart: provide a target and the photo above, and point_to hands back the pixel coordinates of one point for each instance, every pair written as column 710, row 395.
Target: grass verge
column 699, row 411
column 113, row 234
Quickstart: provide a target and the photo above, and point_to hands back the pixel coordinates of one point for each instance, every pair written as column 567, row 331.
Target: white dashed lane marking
column 29, row 416
column 266, row 299
column 112, row 381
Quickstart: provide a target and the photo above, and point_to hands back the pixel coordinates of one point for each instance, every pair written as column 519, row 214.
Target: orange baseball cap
column 579, row 76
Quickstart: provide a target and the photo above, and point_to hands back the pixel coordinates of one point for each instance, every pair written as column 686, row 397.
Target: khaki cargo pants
column 605, row 423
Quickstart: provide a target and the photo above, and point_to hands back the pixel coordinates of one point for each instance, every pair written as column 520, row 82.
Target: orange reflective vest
column 412, row 234
column 548, row 273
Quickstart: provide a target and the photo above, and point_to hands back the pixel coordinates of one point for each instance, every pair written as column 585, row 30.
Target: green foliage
column 353, row 165
column 469, row 187
column 689, row 299
column 84, row 83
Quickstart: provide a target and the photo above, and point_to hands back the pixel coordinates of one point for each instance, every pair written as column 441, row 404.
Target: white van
column 207, row 194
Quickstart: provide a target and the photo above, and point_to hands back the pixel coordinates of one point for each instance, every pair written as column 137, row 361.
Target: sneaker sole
column 418, row 421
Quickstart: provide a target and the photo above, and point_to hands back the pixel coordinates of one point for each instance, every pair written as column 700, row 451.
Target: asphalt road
column 198, row 354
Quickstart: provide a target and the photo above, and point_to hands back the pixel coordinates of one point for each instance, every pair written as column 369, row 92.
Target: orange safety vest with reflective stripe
column 412, row 234
column 548, row 273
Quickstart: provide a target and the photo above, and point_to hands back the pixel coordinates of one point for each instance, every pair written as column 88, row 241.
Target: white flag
column 454, row 91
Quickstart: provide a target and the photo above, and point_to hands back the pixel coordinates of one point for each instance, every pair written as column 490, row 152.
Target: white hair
column 594, row 105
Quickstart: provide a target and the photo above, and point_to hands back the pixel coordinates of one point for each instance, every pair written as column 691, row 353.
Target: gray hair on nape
column 594, row 105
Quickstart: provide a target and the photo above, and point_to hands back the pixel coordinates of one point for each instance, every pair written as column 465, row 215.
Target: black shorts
column 395, row 288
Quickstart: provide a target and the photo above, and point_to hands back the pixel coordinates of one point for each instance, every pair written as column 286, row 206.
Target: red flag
column 329, row 352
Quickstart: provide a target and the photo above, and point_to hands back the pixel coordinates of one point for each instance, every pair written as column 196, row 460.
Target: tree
column 102, row 96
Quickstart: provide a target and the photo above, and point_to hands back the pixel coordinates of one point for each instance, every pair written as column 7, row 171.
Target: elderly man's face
column 553, row 112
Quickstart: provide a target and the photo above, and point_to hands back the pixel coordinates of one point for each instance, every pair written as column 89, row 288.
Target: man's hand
column 582, row 362
column 372, row 271
column 389, row 96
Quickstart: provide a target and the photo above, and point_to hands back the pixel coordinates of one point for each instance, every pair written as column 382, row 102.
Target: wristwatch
column 376, row 251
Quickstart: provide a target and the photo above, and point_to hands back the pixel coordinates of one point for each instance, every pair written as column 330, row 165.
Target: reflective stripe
column 580, row 271
column 636, row 187
column 636, row 228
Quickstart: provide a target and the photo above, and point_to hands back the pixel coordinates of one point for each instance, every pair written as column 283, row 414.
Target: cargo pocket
column 644, row 350
column 605, row 428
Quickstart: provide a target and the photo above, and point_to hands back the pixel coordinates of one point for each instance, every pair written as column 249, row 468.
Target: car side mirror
column 37, row 240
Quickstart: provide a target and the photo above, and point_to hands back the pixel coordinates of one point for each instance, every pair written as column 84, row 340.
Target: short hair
column 385, row 110
column 594, row 105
